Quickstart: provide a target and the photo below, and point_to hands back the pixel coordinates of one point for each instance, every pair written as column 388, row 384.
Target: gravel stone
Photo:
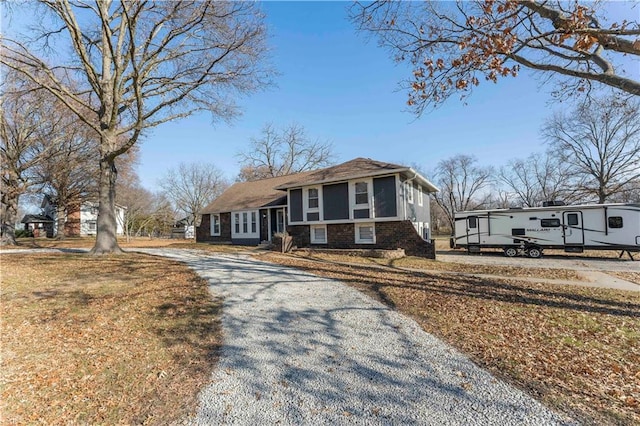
column 303, row 350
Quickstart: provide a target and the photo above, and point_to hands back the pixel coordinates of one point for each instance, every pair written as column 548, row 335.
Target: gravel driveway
column 300, row 349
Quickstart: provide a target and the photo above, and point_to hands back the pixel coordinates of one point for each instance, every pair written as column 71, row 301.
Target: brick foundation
column 389, row 236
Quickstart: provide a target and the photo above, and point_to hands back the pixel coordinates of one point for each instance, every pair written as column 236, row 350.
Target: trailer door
column 573, row 230
column 473, row 230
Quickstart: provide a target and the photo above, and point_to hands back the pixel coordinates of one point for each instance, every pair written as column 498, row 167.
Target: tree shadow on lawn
column 188, row 321
column 566, row 297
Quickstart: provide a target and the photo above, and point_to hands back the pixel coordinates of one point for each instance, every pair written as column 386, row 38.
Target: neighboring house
column 39, row 225
column 182, row 230
column 358, row 204
column 83, row 219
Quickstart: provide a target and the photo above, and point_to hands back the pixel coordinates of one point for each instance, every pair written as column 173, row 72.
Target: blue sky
column 344, row 88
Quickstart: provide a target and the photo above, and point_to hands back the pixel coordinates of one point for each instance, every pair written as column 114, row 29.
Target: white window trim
column 312, row 234
column 211, row 223
column 305, row 204
column 408, row 190
column 352, row 199
column 247, row 234
column 357, row 227
column 420, row 196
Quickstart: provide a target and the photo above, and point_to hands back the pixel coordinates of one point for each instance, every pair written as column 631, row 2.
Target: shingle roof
column 269, row 192
column 359, row 167
column 252, row 195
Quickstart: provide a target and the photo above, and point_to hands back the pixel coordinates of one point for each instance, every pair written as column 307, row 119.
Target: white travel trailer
column 527, row 231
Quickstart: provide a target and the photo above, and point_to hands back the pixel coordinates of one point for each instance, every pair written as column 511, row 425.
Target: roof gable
column 357, row 168
column 269, row 192
column 252, row 195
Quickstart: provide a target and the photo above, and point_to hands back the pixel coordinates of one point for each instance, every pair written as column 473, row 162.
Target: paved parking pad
column 299, row 349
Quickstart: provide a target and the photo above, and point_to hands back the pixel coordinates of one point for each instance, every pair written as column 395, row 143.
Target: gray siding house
column 358, row 204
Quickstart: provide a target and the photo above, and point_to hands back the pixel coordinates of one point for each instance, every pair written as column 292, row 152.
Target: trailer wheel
column 510, row 251
column 534, row 252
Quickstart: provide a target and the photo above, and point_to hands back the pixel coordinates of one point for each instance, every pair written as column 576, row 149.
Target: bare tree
column 25, row 115
column 461, row 183
column 538, row 178
column 282, row 152
column 147, row 213
column 452, row 47
column 192, row 186
column 67, row 174
column 600, row 141
column 141, row 64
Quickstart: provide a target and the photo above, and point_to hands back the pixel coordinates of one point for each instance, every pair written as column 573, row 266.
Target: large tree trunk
column 9, row 215
column 60, row 219
column 106, row 238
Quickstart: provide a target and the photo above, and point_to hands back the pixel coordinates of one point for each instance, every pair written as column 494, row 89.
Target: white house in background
column 82, row 221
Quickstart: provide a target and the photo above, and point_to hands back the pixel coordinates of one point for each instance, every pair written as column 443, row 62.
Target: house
column 181, row 229
column 82, row 219
column 358, row 204
column 39, row 225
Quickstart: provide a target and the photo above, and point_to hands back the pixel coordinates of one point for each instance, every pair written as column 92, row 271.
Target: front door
column 572, row 226
column 473, row 230
column 264, row 225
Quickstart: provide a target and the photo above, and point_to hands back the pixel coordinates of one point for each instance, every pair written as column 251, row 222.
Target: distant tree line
column 592, row 156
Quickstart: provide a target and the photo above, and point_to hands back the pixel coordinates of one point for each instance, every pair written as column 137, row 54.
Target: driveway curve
column 299, row 349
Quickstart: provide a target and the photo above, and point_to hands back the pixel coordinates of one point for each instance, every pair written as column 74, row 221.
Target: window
column 215, row 224
column 615, row 222
column 365, row 233
column 362, row 193
column 473, row 222
column 550, row 223
column 93, row 227
column 420, row 195
column 408, row 189
column 572, row 219
column 280, row 221
column 318, row 234
column 313, row 198
column 245, row 224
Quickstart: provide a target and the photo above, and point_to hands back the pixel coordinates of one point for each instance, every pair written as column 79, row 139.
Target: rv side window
column 572, row 219
column 615, row 222
column 473, row 222
column 550, row 223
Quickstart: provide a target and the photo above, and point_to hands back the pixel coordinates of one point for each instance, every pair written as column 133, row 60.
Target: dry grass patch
column 575, row 348
column 413, row 262
column 103, row 340
column 137, row 242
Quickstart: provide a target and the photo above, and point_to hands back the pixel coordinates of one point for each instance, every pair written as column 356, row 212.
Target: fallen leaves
column 575, row 348
column 86, row 339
